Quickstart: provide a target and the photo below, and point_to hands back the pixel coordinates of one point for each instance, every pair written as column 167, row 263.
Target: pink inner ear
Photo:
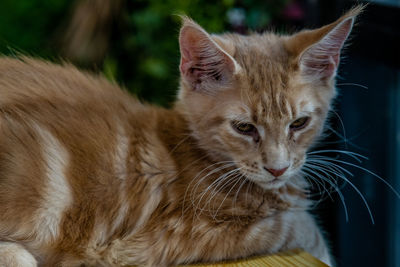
column 202, row 61
column 326, row 66
column 322, row 59
column 186, row 45
column 185, row 61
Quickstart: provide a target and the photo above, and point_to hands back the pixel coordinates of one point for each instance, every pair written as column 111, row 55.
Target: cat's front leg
column 14, row 255
column 303, row 232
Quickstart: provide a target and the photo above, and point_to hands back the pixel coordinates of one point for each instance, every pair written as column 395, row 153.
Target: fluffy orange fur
column 90, row 176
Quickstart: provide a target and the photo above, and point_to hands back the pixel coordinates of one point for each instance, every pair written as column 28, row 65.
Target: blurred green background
column 132, row 42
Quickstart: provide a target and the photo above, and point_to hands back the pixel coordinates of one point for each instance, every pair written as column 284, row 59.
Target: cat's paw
column 14, row 255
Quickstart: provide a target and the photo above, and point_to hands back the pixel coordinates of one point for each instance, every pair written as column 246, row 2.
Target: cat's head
column 261, row 100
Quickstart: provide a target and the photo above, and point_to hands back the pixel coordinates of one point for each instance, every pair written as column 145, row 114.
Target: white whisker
column 326, row 162
column 327, row 165
column 229, row 180
column 362, row 197
column 352, row 84
column 316, row 182
column 370, row 172
column 310, row 169
column 342, row 124
column 339, row 193
column 200, row 180
column 222, row 202
column 218, row 180
column 354, row 155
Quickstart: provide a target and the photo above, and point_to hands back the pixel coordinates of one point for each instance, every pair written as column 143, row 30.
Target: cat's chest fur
column 169, row 232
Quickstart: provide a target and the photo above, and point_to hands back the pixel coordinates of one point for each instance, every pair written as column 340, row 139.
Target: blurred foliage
column 30, row 26
column 143, row 53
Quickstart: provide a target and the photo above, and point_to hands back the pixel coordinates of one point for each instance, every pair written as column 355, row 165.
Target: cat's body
column 88, row 175
column 122, row 203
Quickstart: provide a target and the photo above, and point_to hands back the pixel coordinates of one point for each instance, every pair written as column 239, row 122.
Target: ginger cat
column 91, row 177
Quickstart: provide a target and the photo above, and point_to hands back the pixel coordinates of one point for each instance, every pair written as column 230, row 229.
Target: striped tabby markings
column 121, row 170
column 103, row 231
column 57, row 197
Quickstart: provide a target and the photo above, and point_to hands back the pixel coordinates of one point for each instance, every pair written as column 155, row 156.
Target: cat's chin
column 274, row 184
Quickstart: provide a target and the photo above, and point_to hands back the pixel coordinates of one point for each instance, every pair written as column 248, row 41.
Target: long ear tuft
column 318, row 51
column 205, row 65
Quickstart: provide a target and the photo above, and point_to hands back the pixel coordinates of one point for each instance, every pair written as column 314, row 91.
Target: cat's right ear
column 205, row 66
column 317, row 52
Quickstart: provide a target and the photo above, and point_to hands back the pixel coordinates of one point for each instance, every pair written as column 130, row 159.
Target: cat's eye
column 299, row 123
column 243, row 128
column 246, row 129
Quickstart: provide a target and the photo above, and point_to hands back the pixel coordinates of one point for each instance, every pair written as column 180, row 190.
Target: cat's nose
column 276, row 172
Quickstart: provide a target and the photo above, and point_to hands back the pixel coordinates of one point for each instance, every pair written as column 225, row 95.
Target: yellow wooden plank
column 293, row 258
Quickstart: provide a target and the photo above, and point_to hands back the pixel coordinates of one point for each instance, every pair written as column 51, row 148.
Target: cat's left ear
column 205, row 65
column 317, row 52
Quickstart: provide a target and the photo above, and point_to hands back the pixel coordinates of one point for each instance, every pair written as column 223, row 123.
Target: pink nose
column 276, row 172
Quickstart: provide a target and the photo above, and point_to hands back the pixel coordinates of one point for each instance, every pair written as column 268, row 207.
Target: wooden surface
column 293, row 258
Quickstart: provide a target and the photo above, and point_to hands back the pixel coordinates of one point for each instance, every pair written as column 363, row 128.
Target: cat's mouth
column 264, row 179
column 274, row 183
column 268, row 183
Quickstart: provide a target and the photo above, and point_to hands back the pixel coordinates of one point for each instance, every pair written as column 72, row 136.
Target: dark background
column 370, row 114
column 135, row 44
